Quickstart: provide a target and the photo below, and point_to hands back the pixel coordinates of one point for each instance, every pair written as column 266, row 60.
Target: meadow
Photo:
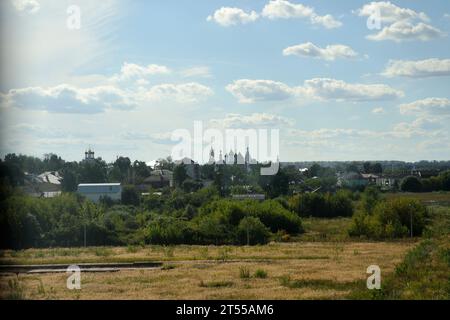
column 322, row 263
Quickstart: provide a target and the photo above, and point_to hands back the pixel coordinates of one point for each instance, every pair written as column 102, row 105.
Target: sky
column 341, row 80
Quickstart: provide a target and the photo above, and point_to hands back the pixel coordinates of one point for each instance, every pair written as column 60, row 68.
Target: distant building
column 387, row 183
column 253, row 196
column 94, row 191
column 89, row 155
column 371, row 178
column 192, row 167
column 45, row 185
column 158, row 179
column 352, row 180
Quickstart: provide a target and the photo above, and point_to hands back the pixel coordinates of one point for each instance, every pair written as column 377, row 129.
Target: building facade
column 95, row 191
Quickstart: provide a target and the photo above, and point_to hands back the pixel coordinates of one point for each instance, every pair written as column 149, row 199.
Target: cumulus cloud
column 132, row 71
column 183, row 93
column 255, row 120
column 250, row 91
column 406, row 31
column 26, row 6
column 275, row 9
column 283, row 9
column 329, row 53
column 378, row 110
column 401, row 24
column 227, row 16
column 389, row 12
column 331, row 89
column 68, row 99
column 418, row 69
column 429, row 106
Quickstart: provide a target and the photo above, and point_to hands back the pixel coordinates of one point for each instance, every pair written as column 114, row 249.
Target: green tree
column 252, row 231
column 411, row 184
column 179, row 174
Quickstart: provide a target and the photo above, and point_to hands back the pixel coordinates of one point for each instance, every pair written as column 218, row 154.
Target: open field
column 301, row 270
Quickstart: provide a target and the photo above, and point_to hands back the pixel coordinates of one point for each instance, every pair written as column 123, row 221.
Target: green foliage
column 130, row 196
column 168, row 230
column 244, row 273
column 320, row 205
column 252, row 231
column 391, row 219
column 260, row 273
column 411, row 184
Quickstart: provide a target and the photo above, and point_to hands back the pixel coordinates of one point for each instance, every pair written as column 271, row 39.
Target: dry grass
column 316, row 270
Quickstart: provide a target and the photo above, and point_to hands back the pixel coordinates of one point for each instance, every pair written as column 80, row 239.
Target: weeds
column 216, row 284
column 244, row 273
column 260, row 273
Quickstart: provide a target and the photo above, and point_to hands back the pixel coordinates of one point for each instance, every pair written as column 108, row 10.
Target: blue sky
column 137, row 70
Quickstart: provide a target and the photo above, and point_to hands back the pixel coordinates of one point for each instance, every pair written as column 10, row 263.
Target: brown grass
column 319, row 270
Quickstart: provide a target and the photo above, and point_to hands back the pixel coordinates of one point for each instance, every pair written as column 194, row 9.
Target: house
column 387, row 182
column 192, row 167
column 95, row 191
column 45, row 185
column 352, row 180
column 158, row 179
column 371, row 178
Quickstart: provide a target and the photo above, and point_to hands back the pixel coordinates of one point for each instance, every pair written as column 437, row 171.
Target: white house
column 94, row 191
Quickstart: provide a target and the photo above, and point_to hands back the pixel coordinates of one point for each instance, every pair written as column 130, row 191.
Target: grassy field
column 301, row 270
column 322, row 263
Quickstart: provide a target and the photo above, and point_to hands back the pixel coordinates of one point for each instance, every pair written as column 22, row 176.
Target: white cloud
column 227, row 16
column 255, row 120
column 196, row 72
column 401, row 24
column 406, row 31
column 329, row 53
column 183, row 93
column 418, row 69
column 338, row 90
column 250, row 91
column 68, row 99
column 282, row 9
column 26, row 6
column 378, row 110
column 427, row 107
column 132, row 71
column 390, row 13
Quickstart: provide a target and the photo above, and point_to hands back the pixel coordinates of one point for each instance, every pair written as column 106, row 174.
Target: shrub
column 252, row 231
column 260, row 273
column 325, row 206
column 390, row 219
column 411, row 184
column 244, row 273
column 167, row 230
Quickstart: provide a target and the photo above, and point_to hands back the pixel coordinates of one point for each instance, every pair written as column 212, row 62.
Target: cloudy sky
column 342, row 80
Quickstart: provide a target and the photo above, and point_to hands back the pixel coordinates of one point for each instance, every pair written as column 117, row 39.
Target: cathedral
column 231, row 158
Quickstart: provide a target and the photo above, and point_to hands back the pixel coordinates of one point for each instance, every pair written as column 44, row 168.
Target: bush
column 390, row 219
column 166, row 230
column 411, row 184
column 130, row 196
column 324, row 206
column 261, row 274
column 252, row 231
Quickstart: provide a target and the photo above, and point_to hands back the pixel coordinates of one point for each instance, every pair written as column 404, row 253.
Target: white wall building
column 94, row 191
